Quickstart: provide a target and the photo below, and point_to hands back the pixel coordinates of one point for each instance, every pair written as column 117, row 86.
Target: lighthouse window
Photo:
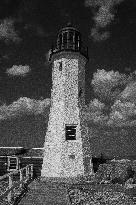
column 60, row 66
column 71, row 132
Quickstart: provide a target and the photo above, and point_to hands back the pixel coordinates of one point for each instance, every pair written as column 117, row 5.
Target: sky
column 27, row 31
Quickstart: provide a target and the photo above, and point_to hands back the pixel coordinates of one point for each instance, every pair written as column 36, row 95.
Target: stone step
column 46, row 193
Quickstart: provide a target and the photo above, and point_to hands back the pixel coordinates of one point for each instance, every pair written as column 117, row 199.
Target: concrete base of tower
column 63, row 163
column 69, row 180
column 77, row 167
column 66, row 177
column 67, row 173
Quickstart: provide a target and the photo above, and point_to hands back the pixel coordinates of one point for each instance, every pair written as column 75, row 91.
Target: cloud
column 103, row 17
column 129, row 93
column 123, row 111
column 24, row 106
column 107, row 85
column 97, row 36
column 7, row 31
column 104, row 14
column 94, row 112
column 96, row 106
column 122, row 114
column 114, row 104
column 18, row 70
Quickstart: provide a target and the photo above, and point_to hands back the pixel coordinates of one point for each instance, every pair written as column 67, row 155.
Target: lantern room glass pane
column 65, row 40
column 71, row 43
column 65, row 37
column 59, row 41
column 70, row 36
column 77, row 41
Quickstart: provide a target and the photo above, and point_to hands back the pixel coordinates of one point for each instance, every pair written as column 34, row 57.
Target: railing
column 69, row 47
column 14, row 183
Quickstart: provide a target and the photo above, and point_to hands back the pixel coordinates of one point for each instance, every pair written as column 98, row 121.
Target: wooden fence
column 13, row 184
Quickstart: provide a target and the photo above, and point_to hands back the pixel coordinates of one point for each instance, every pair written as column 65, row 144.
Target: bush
column 117, row 180
column 130, row 173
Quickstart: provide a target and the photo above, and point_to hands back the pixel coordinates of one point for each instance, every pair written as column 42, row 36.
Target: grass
column 79, row 193
column 101, row 194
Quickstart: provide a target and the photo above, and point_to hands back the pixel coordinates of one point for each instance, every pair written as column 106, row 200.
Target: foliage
column 105, row 197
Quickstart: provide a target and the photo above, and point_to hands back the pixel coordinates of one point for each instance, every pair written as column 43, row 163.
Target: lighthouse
column 66, row 148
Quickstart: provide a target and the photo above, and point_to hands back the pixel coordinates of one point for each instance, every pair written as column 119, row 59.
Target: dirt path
column 43, row 193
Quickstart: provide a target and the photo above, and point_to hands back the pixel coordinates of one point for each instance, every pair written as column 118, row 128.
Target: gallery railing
column 69, row 47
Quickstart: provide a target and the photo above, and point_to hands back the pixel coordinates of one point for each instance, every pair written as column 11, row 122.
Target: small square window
column 70, row 132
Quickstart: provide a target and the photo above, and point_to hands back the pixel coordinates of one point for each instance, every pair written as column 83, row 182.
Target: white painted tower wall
column 66, row 158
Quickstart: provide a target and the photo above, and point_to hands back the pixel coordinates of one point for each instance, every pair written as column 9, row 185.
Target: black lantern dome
column 69, row 39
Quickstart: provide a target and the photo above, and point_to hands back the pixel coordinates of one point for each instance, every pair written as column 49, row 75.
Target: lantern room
column 69, row 39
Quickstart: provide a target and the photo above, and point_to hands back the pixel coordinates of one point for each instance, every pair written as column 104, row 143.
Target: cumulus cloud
column 18, row 70
column 122, row 113
column 107, row 85
column 129, row 93
column 7, row 31
column 114, row 104
column 94, row 112
column 99, row 36
column 104, row 14
column 24, row 106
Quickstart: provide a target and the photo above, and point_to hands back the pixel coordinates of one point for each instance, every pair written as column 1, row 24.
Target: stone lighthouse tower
column 66, row 148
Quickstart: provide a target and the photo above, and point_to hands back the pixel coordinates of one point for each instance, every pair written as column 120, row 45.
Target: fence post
column 27, row 173
column 31, row 171
column 21, row 177
column 10, row 186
